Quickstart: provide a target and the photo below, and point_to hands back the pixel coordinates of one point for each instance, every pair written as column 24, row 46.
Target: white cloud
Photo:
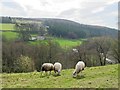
column 114, row 14
column 112, row 1
column 11, row 11
column 98, row 10
column 83, row 11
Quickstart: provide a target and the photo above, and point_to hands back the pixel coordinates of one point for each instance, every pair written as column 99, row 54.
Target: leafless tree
column 102, row 46
column 116, row 50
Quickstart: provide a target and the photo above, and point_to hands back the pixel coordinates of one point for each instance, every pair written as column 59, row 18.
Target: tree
column 72, row 35
column 6, row 20
column 94, row 51
column 24, row 31
column 102, row 46
column 116, row 50
column 26, row 28
column 24, row 64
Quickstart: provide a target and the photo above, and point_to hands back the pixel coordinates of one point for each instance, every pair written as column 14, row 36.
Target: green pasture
column 7, row 26
column 10, row 35
column 64, row 43
column 68, row 43
column 91, row 77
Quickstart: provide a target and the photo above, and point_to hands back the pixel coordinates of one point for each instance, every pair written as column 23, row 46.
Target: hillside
column 69, row 29
column 92, row 77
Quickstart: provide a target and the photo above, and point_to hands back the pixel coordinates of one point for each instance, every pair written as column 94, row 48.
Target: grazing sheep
column 79, row 67
column 57, row 67
column 47, row 67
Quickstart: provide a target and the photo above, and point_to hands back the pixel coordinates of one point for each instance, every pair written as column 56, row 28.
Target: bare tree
column 116, row 50
column 102, row 46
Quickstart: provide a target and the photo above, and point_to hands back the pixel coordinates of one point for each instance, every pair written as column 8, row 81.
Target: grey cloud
column 85, row 15
column 68, row 12
column 76, row 13
column 14, row 5
column 84, row 12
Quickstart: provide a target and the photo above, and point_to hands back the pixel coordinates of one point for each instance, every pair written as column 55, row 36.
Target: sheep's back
column 47, row 66
column 80, row 65
column 57, row 66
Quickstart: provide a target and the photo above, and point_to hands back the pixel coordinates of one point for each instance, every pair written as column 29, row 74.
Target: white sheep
column 78, row 68
column 57, row 67
column 47, row 67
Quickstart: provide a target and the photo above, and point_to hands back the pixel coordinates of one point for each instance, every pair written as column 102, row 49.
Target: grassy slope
column 94, row 77
column 10, row 35
column 67, row 43
column 6, row 26
column 64, row 43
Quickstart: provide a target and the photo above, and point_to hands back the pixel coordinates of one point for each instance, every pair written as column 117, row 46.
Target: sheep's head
column 42, row 68
column 74, row 74
column 52, row 67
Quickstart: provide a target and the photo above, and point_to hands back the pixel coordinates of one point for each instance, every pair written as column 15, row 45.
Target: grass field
column 10, row 35
column 64, row 43
column 93, row 77
column 6, row 26
column 67, row 43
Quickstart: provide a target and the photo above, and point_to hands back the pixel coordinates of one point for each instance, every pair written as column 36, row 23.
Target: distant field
column 6, row 26
column 64, row 43
column 68, row 43
column 92, row 77
column 10, row 35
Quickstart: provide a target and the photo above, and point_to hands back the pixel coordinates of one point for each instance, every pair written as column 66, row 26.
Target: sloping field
column 93, row 77
column 4, row 26
column 10, row 35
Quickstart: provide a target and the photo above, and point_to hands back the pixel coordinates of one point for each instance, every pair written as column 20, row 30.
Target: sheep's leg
column 58, row 72
column 41, row 73
column 55, row 72
column 46, row 73
column 50, row 73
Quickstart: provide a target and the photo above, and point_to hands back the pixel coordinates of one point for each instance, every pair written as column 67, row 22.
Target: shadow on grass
column 42, row 76
column 79, row 77
column 55, row 75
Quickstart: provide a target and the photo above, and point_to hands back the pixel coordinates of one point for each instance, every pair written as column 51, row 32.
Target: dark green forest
column 69, row 29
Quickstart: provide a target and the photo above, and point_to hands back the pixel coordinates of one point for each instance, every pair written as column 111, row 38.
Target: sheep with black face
column 47, row 67
column 78, row 68
column 57, row 67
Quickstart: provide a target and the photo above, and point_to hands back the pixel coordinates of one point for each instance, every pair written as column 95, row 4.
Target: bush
column 24, row 64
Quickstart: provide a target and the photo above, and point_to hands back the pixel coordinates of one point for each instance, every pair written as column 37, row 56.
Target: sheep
column 78, row 68
column 47, row 67
column 57, row 67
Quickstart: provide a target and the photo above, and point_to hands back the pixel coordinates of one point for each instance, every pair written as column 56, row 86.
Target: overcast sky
column 92, row 12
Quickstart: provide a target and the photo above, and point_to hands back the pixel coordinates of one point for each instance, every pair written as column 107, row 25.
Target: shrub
column 24, row 64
